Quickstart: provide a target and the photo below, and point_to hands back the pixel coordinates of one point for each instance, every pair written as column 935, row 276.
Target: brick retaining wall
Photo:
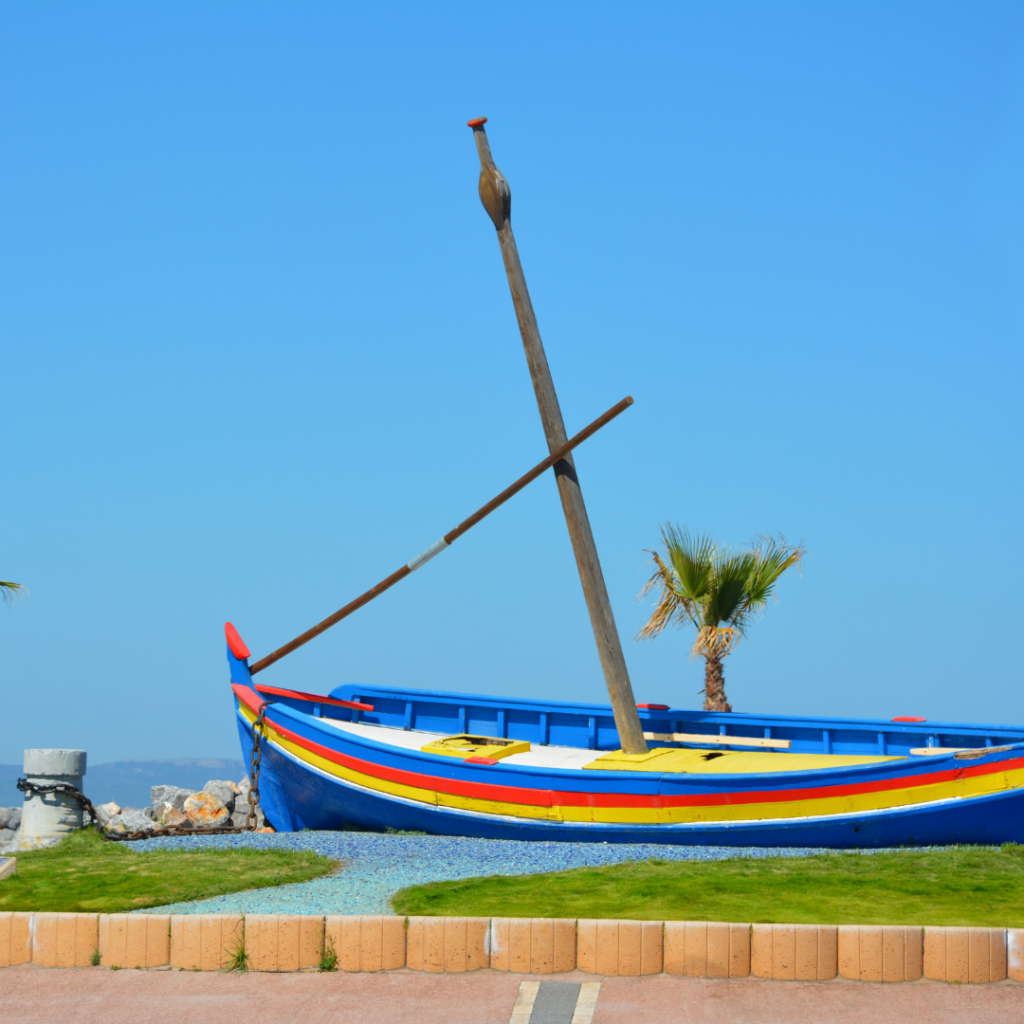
column 698, row 949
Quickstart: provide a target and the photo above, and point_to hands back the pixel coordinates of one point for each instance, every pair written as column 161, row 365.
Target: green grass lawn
column 967, row 885
column 86, row 874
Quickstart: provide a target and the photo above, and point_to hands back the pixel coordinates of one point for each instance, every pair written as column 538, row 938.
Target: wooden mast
column 497, row 199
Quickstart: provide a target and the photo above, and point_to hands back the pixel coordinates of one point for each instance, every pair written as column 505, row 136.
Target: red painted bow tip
column 235, row 642
column 477, row 122
column 653, row 707
column 909, row 718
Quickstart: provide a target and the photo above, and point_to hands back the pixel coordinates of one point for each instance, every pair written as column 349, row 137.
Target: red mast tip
column 477, row 122
column 235, row 642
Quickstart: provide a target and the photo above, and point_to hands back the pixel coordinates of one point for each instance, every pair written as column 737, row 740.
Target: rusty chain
column 258, row 731
column 24, row 786
column 171, row 830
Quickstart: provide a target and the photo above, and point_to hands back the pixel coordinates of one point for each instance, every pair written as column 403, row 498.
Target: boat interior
column 658, row 759
column 548, row 734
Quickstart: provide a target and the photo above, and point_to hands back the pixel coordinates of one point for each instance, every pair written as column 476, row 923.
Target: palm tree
column 718, row 589
column 7, row 589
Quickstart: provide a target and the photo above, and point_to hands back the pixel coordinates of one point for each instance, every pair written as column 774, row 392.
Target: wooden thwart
column 730, row 741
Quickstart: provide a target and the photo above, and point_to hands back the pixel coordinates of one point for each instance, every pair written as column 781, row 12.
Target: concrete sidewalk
column 90, row 994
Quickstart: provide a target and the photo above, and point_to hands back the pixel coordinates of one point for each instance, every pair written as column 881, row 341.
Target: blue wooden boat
column 471, row 765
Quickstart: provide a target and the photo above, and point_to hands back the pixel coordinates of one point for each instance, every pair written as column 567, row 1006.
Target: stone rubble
column 218, row 803
column 10, row 819
column 131, row 819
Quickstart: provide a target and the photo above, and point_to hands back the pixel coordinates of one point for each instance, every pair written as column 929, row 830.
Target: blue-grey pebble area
column 376, row 866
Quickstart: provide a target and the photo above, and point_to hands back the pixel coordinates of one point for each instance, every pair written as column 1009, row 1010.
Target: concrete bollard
column 49, row 817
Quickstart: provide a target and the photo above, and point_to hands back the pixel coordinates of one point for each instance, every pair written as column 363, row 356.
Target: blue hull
column 295, row 797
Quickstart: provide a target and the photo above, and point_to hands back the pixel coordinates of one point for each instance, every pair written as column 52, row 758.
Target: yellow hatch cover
column 476, row 746
column 727, row 762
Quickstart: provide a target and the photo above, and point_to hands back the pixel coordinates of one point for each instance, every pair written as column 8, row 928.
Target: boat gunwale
column 718, row 717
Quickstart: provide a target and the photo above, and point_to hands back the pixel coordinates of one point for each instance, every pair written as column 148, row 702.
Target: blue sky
column 258, row 348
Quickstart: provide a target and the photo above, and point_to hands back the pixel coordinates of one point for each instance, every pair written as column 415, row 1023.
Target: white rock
column 173, row 795
column 131, row 819
column 104, row 812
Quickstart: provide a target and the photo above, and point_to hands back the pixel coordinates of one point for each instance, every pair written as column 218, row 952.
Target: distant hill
column 129, row 782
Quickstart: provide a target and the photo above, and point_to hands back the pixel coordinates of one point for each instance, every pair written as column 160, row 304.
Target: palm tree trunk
column 714, row 684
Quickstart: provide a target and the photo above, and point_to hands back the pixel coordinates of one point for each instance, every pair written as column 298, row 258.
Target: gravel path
column 377, row 866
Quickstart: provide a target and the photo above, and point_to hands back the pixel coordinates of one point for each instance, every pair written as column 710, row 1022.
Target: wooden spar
column 497, row 199
column 447, row 539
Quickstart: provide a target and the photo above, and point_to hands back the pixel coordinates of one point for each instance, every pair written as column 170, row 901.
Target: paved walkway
column 89, row 994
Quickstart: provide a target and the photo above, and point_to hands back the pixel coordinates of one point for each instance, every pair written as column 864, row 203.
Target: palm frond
column 718, row 589
column 8, row 590
column 773, row 558
column 692, row 557
column 727, row 601
column 672, row 604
